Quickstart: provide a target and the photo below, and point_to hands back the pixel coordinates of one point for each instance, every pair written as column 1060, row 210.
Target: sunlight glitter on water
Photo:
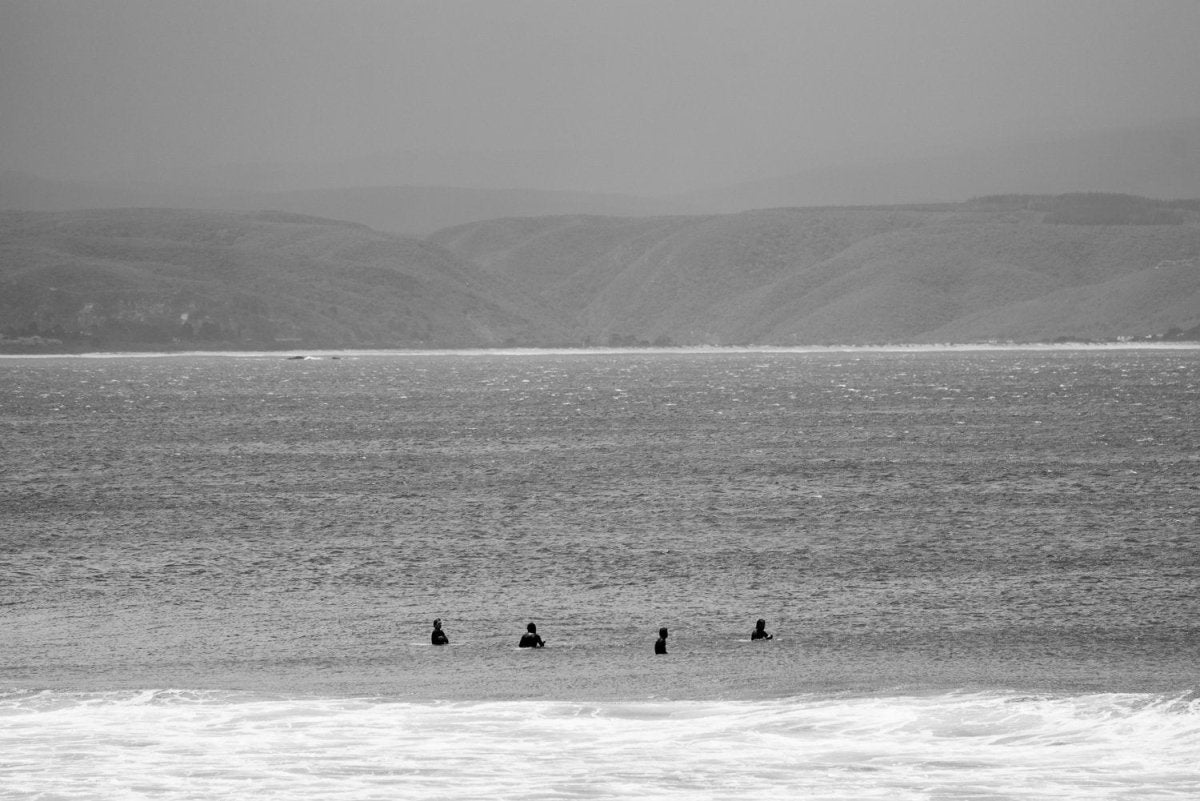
column 174, row 745
column 279, row 534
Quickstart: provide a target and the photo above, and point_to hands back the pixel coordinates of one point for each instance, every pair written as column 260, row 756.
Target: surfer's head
column 437, row 624
column 532, row 629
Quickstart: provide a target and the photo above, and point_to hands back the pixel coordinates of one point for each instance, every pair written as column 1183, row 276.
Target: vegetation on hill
column 1013, row 268
column 160, row 278
column 1002, row 268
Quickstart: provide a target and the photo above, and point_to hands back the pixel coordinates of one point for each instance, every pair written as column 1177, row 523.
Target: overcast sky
column 650, row 96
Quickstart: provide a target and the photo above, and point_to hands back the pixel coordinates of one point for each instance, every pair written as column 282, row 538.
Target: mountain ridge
column 1014, row 268
column 1155, row 161
column 417, row 200
column 406, row 210
column 127, row 278
column 866, row 275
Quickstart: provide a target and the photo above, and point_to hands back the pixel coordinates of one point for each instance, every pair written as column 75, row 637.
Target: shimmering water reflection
column 922, row 521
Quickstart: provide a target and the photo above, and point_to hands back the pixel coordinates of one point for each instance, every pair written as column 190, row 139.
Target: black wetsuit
column 439, row 637
column 531, row 640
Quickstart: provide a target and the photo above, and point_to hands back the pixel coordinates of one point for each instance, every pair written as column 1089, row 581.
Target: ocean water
column 981, row 568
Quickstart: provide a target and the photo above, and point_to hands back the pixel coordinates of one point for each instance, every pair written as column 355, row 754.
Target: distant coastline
column 602, row 351
column 1019, row 269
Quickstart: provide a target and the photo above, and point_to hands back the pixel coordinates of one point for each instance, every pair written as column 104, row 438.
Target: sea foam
column 200, row 745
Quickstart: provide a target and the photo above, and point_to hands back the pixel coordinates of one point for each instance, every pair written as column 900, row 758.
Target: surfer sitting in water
column 760, row 631
column 660, row 645
column 530, row 638
column 439, row 637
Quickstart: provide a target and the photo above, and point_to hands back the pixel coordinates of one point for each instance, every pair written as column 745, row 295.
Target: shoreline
column 333, row 354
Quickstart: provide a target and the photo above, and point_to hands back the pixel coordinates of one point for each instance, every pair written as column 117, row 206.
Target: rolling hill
column 1158, row 161
column 165, row 278
column 416, row 195
column 1014, row 268
column 1007, row 268
column 406, row 210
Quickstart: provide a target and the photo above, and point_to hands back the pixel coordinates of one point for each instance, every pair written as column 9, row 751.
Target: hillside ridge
column 999, row 268
column 175, row 279
column 1011, row 268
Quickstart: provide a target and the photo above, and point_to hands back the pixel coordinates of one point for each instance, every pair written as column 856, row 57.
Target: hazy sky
column 643, row 95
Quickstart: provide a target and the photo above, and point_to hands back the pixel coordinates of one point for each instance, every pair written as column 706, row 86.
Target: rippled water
column 982, row 546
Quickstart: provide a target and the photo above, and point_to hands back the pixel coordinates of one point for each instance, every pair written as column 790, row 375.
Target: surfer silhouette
column 531, row 639
column 760, row 631
column 660, row 645
column 438, row 637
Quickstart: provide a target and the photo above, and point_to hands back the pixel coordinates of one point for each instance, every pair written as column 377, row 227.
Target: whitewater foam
column 200, row 745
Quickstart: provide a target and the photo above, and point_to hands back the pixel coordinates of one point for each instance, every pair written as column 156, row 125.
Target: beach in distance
column 978, row 564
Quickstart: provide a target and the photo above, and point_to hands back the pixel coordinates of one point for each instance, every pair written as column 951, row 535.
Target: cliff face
column 171, row 278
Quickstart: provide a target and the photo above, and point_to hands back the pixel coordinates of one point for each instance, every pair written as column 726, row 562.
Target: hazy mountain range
column 1012, row 268
column 1008, row 269
column 281, row 256
column 407, row 210
column 1161, row 161
column 403, row 194
column 166, row 278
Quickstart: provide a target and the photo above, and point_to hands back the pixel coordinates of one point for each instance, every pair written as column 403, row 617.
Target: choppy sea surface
column 981, row 568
